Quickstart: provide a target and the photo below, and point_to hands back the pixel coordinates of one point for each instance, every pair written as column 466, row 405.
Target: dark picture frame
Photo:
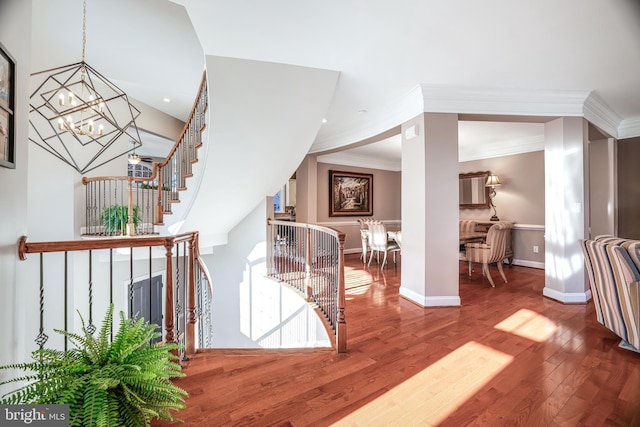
column 350, row 194
column 7, row 103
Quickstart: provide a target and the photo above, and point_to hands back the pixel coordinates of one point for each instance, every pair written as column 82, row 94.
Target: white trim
column 600, row 114
column 355, row 223
column 532, row 264
column 528, row 227
column 486, row 101
column 567, row 298
column 345, row 159
column 426, row 301
column 629, row 128
column 515, row 146
column 517, row 226
column 503, row 101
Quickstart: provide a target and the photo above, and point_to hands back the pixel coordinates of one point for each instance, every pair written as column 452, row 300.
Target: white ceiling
column 383, row 50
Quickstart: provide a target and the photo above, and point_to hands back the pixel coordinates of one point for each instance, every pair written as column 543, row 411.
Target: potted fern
column 123, row 382
column 115, row 218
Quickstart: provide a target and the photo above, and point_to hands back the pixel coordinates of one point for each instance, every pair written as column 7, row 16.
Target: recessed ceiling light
column 166, row 99
column 362, row 110
column 324, row 120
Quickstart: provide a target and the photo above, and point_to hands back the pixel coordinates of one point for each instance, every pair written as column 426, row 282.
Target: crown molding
column 501, row 101
column 515, row 146
column 427, row 98
column 600, row 114
column 344, row 159
column 629, row 128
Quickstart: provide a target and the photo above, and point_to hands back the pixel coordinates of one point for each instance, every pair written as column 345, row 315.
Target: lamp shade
column 493, row 181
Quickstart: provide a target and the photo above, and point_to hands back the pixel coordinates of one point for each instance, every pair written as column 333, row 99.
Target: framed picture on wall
column 350, row 194
column 7, row 97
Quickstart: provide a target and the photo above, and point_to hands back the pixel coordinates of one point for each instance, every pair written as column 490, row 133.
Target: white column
column 566, row 215
column 430, row 210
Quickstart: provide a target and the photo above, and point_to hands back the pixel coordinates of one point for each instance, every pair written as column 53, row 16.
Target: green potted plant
column 115, row 218
column 123, row 382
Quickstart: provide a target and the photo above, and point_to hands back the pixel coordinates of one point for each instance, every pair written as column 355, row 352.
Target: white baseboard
column 426, row 301
column 567, row 298
column 525, row 263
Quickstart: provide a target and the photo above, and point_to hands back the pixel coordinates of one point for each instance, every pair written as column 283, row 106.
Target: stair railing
column 310, row 259
column 63, row 282
column 143, row 202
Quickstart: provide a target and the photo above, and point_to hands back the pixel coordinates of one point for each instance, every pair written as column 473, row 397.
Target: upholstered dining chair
column 467, row 225
column 364, row 236
column 490, row 251
column 379, row 242
column 398, row 239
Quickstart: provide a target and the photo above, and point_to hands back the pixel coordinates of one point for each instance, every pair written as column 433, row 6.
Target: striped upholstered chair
column 613, row 268
column 468, row 225
column 491, row 251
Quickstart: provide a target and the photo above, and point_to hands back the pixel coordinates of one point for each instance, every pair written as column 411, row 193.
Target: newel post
column 190, row 338
column 168, row 296
column 341, row 330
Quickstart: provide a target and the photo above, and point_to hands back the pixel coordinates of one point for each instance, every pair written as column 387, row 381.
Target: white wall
column 15, row 35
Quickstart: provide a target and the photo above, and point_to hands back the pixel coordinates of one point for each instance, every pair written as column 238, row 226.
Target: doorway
column 146, row 301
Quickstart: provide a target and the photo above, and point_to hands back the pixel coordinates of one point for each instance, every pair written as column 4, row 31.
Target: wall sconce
column 492, row 182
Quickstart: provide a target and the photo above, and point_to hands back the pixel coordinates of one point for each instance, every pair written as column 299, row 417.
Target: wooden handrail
column 336, row 307
column 191, row 114
column 168, row 242
column 155, row 165
column 178, row 161
column 25, row 247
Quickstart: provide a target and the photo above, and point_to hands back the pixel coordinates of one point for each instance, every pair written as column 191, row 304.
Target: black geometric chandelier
column 80, row 117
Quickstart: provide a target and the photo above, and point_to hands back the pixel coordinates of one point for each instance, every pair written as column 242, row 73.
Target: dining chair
column 364, row 236
column 398, row 238
column 490, row 251
column 379, row 242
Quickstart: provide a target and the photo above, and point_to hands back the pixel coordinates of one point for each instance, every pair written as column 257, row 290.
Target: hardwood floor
column 506, row 357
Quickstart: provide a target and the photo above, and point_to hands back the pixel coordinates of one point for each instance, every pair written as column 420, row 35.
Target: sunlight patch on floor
column 356, row 281
column 528, row 324
column 430, row 396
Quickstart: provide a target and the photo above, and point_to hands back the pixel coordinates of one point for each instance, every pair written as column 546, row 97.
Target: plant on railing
column 115, row 218
column 124, row 382
column 154, row 187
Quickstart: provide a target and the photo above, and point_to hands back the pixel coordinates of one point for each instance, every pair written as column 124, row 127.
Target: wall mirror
column 473, row 192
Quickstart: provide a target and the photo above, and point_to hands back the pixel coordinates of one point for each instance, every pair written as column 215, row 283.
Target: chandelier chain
column 84, row 27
